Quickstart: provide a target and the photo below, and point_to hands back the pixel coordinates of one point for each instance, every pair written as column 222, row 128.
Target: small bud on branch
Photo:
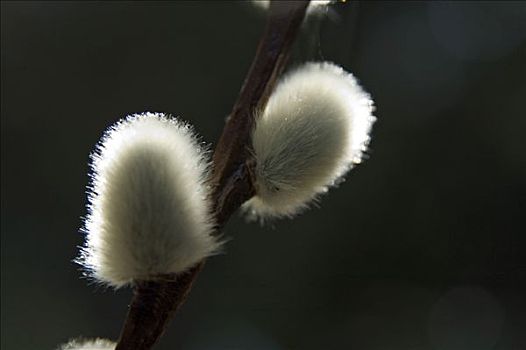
column 88, row 344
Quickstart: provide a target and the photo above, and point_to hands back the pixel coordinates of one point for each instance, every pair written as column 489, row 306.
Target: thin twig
column 155, row 302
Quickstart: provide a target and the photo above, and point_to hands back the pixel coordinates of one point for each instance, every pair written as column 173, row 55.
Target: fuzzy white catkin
column 314, row 128
column 148, row 207
column 89, row 344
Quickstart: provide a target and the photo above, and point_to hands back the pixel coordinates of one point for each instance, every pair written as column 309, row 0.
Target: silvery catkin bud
column 148, row 206
column 89, row 344
column 314, row 128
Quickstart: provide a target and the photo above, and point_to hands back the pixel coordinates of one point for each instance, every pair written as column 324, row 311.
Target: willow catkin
column 314, row 128
column 148, row 203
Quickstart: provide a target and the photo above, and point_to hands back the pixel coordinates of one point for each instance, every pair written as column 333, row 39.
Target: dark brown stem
column 153, row 305
column 231, row 179
column 155, row 302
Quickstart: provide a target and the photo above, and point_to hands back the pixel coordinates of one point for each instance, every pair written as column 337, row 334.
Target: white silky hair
column 149, row 210
column 314, row 128
column 89, row 344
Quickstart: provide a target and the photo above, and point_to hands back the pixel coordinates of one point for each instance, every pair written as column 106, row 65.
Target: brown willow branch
column 155, row 302
column 231, row 179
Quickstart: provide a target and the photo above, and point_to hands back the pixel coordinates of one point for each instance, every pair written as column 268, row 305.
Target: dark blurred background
column 421, row 248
